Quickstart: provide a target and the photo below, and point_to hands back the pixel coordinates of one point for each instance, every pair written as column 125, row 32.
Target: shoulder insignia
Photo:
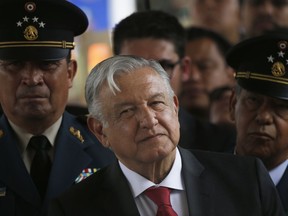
column 76, row 133
column 1, row 133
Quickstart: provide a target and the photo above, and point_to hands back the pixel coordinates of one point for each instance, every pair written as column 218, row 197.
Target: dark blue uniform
column 18, row 194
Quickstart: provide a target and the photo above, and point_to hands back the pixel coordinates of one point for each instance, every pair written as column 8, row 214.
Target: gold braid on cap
column 258, row 76
column 54, row 44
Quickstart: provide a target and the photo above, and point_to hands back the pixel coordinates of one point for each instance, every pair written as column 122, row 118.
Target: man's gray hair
column 106, row 72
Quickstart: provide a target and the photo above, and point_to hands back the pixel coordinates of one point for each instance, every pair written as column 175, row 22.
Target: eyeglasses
column 168, row 66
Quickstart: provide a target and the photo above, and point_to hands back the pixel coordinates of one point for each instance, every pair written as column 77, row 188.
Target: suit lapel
column 197, row 189
column 118, row 191
column 11, row 172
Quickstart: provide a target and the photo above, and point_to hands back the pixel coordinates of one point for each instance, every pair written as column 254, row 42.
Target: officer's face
column 262, row 125
column 33, row 91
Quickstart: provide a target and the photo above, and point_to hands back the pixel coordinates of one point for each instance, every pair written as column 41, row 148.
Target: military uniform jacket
column 18, row 194
column 216, row 184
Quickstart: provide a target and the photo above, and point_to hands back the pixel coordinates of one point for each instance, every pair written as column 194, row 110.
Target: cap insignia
column 30, row 6
column 282, row 45
column 30, row 24
column 278, row 68
column 76, row 133
column 31, row 33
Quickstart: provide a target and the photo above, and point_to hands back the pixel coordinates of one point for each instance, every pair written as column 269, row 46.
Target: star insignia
column 281, row 54
column 270, row 59
column 26, row 22
column 19, row 24
column 35, row 19
column 25, row 19
column 41, row 24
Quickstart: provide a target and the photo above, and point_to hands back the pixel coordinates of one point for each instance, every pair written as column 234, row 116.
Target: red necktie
column 161, row 197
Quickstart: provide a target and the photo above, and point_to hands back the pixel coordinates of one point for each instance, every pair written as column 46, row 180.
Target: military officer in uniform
column 259, row 105
column 43, row 149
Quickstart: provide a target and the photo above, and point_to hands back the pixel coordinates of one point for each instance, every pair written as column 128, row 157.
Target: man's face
column 259, row 16
column 208, row 72
column 35, row 91
column 219, row 15
column 262, row 125
column 159, row 50
column 142, row 119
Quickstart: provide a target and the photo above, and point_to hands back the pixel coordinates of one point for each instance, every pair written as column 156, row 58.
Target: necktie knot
column 39, row 143
column 161, row 197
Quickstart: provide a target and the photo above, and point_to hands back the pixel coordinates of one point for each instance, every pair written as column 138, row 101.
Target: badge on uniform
column 85, row 173
column 76, row 133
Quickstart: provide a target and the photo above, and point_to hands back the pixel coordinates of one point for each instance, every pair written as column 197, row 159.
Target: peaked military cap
column 39, row 29
column 261, row 63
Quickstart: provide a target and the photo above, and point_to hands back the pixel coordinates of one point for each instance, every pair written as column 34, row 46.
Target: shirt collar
column 277, row 172
column 24, row 137
column 139, row 184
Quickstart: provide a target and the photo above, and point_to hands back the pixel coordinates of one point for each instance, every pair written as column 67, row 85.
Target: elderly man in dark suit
column 43, row 149
column 134, row 112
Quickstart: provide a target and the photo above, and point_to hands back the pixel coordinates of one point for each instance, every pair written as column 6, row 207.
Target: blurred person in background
column 259, row 16
column 208, row 70
column 221, row 16
column 219, row 112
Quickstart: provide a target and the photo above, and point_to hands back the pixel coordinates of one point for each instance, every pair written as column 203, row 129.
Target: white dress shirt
column 138, row 184
column 277, row 173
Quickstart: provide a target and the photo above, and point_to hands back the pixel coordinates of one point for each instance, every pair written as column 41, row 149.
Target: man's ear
column 185, row 64
column 176, row 104
column 72, row 69
column 96, row 127
column 232, row 105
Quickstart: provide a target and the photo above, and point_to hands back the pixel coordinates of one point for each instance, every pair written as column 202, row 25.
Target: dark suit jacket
column 203, row 135
column 216, row 184
column 18, row 194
